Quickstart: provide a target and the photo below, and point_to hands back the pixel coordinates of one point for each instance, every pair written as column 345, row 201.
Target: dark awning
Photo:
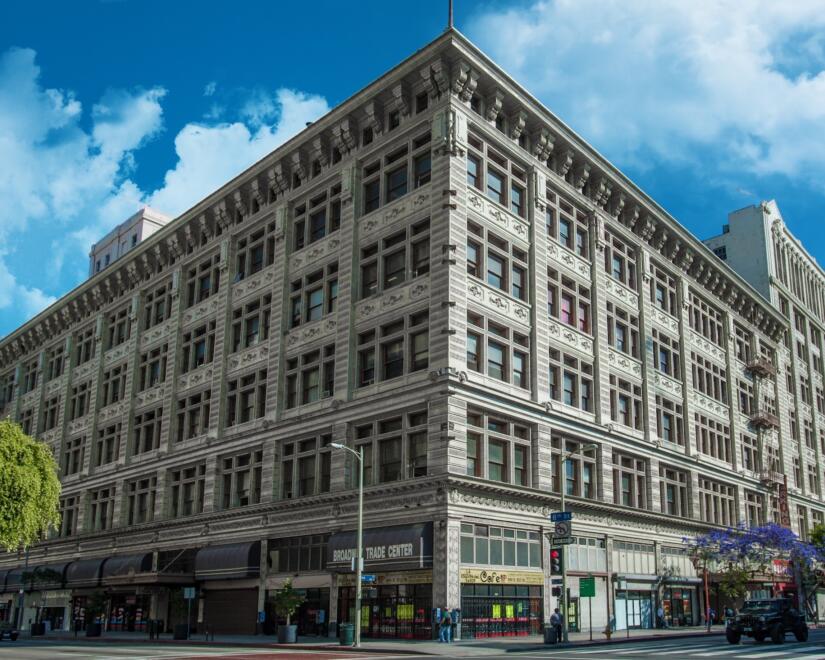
column 222, row 562
column 403, row 547
column 50, row 576
column 14, row 579
column 84, row 573
column 127, row 565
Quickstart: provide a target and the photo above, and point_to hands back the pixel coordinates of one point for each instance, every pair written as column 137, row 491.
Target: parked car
column 8, row 631
column 760, row 618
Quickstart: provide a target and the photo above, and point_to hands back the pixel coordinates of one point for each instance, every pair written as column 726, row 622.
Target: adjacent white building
column 125, row 237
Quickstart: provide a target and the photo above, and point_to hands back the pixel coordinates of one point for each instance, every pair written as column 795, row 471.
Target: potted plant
column 287, row 601
column 180, row 612
column 95, row 609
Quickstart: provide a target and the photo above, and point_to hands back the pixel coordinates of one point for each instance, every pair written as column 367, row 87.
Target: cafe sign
column 502, row 577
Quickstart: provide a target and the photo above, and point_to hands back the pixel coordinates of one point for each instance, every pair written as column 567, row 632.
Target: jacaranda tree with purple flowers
column 739, row 552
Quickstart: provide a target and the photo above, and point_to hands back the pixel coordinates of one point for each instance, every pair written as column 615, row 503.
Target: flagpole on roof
column 450, row 17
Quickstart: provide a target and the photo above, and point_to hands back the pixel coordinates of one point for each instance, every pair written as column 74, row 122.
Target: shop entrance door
column 678, row 607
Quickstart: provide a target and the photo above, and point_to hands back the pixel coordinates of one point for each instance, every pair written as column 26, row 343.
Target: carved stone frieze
column 195, row 378
column 201, row 311
column 394, row 212
column 311, row 332
column 625, row 363
column 253, row 284
column 112, row 411
column 498, row 301
column 514, row 225
column 247, row 357
column 620, row 292
column 79, row 424
column 708, row 404
column 567, row 259
column 706, row 347
column 117, row 353
column 315, row 252
column 573, row 338
column 665, row 320
column 418, row 289
column 158, row 333
column 83, row 371
column 152, row 395
column 667, row 384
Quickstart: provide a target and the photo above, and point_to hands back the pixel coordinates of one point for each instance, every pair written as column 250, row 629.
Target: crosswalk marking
column 791, row 650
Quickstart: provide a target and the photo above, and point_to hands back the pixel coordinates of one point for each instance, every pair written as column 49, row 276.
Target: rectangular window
column 568, row 301
column 203, row 280
column 310, row 376
column 198, row 347
column 400, row 445
column 250, row 323
column 157, row 305
column 101, row 509
column 107, row 447
column 389, row 177
column 152, row 367
column 395, row 259
column 186, row 490
column 674, row 487
column 147, row 429
column 140, row 496
column 240, row 476
column 246, row 398
column 193, row 415
column 498, row 448
column 385, row 347
column 305, row 467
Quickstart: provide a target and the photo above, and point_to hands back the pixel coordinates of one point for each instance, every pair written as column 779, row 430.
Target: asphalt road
column 46, row 650
column 694, row 648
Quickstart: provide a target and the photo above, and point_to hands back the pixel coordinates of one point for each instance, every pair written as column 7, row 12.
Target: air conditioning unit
column 326, row 394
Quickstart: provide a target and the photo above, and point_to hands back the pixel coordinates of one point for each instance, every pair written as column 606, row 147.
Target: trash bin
column 346, row 634
column 550, row 635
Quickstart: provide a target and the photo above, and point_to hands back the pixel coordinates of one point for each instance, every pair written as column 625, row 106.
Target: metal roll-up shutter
column 231, row 611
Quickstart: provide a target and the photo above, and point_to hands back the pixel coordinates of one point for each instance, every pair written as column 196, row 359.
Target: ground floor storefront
column 501, row 602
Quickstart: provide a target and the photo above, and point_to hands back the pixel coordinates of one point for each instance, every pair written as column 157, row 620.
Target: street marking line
column 713, row 654
column 691, row 648
column 777, row 654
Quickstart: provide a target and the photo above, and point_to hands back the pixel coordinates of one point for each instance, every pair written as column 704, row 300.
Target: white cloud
column 210, row 88
column 64, row 185
column 210, row 155
column 666, row 78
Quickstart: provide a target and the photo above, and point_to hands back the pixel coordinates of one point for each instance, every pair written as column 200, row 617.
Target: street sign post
column 189, row 595
column 561, row 540
column 587, row 589
column 558, row 516
column 562, row 528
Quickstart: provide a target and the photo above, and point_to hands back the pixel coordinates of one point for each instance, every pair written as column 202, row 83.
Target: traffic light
column 556, row 561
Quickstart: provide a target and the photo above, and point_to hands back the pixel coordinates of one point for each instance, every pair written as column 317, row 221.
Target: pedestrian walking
column 660, row 616
column 445, row 629
column 556, row 620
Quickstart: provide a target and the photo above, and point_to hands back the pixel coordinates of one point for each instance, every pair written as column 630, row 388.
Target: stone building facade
column 757, row 243
column 440, row 271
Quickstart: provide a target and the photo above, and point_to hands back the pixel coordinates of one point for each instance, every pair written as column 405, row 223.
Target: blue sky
column 105, row 105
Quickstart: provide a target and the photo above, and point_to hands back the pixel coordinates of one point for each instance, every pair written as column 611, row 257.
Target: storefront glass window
column 495, row 546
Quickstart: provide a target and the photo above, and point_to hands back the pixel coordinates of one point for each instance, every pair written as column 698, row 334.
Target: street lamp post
column 563, row 549
column 359, row 551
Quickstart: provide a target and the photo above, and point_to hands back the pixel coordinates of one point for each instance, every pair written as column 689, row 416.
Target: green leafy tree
column 287, row 601
column 818, row 536
column 29, row 488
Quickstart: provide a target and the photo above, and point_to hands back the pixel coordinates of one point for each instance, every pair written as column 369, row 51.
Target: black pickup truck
column 775, row 617
column 8, row 631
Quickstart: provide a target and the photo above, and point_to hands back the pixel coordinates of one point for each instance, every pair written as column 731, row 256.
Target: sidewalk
column 487, row 646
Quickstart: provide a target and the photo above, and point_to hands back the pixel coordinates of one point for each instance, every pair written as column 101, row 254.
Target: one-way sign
column 561, row 540
column 559, row 516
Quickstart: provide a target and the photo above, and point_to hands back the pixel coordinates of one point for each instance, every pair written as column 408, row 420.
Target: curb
column 621, row 640
column 254, row 645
